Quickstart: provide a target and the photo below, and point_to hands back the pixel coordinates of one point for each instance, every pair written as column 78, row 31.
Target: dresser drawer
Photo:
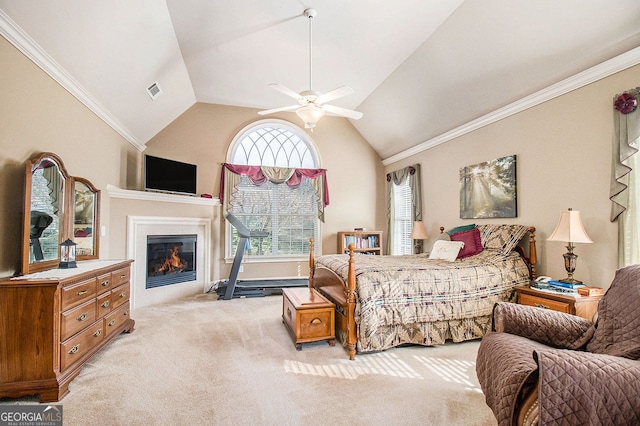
column 77, row 318
column 119, row 296
column 75, row 294
column 74, row 349
column 540, row 302
column 120, row 277
column 103, row 304
column 104, row 283
column 115, row 319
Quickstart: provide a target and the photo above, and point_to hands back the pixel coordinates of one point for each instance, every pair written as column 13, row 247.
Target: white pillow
column 446, row 250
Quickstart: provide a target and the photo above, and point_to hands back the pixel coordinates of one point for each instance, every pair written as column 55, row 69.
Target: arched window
column 289, row 216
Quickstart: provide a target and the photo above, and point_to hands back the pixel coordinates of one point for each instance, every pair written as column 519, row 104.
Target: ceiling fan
column 311, row 106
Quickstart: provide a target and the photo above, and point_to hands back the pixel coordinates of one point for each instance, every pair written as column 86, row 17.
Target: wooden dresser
column 53, row 322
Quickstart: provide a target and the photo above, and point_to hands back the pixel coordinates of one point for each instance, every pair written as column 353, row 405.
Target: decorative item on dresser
column 64, row 305
column 365, row 242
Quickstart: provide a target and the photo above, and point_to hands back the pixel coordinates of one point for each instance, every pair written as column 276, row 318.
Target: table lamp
column 571, row 230
column 418, row 233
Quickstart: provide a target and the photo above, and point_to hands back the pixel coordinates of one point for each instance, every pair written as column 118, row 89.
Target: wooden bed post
column 312, row 264
column 533, row 257
column 351, row 305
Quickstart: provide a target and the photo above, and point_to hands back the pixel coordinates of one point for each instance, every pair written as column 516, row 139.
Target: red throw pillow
column 471, row 240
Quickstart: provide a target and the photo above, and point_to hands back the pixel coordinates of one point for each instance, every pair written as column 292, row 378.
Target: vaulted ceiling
column 419, row 68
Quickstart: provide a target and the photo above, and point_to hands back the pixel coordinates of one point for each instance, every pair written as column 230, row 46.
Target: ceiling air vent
column 154, row 90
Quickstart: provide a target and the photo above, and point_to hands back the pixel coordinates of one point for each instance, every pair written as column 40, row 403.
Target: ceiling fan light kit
column 311, row 104
column 310, row 114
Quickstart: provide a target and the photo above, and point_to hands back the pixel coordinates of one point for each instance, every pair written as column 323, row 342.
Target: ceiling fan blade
column 335, row 94
column 286, row 108
column 285, row 90
column 343, row 112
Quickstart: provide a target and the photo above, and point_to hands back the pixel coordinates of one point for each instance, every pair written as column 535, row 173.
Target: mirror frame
column 96, row 216
column 66, row 221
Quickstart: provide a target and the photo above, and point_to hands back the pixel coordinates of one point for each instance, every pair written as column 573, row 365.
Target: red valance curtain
column 258, row 175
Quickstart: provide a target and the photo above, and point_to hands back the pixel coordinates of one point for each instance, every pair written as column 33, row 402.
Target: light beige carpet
column 201, row 361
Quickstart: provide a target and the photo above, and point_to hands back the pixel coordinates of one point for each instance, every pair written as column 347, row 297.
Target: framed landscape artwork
column 489, row 189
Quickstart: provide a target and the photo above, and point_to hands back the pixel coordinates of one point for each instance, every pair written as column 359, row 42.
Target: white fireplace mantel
column 138, row 228
column 115, row 192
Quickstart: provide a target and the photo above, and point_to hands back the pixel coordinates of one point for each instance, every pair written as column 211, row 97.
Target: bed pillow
column 461, row 228
column 503, row 238
column 471, row 240
column 446, row 250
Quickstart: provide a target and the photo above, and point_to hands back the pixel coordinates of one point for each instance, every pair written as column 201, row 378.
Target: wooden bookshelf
column 366, row 242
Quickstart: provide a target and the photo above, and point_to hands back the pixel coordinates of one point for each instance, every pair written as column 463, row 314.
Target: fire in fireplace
column 171, row 259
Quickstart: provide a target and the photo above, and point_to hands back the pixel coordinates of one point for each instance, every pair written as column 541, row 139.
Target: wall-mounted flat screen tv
column 162, row 174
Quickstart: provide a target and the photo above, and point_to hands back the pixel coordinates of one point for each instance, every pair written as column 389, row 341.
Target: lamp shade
column 570, row 228
column 310, row 114
column 418, row 232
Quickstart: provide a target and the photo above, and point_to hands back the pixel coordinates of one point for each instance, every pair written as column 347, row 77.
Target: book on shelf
column 361, row 242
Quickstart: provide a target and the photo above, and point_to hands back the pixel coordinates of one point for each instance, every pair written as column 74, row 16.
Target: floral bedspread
column 414, row 299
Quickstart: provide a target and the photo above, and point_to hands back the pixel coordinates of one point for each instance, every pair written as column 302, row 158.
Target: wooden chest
column 308, row 315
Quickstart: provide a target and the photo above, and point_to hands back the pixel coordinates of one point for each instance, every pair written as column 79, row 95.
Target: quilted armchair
column 545, row 367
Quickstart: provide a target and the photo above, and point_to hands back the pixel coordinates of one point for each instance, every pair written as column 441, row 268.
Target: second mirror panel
column 86, row 214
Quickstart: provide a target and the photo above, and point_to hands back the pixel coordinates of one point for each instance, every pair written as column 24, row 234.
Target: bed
column 387, row 301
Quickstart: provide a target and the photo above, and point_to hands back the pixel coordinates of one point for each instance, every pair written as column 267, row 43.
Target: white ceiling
column 419, row 68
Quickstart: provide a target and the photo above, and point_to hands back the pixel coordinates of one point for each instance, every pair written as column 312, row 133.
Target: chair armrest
column 588, row 388
column 552, row 328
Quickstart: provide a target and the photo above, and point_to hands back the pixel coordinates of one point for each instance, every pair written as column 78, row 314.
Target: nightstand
column 575, row 304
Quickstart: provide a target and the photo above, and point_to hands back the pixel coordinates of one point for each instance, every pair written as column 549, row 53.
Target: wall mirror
column 54, row 203
column 86, row 209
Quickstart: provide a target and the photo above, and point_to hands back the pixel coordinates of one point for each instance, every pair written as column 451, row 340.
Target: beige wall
column 38, row 115
column 563, row 150
column 202, row 135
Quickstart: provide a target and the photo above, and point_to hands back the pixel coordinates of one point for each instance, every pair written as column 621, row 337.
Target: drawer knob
column 97, row 333
column 126, row 313
column 105, row 283
column 82, row 317
column 105, row 304
column 123, row 294
column 74, row 349
column 316, row 321
column 80, row 293
column 540, row 305
column 123, row 276
column 111, row 323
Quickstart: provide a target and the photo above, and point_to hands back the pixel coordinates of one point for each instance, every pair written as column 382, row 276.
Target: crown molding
column 593, row 74
column 28, row 46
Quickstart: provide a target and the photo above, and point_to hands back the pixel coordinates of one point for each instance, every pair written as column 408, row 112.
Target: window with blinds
column 402, row 221
column 289, row 216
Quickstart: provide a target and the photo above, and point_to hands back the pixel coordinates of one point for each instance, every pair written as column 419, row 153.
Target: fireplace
column 171, row 259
